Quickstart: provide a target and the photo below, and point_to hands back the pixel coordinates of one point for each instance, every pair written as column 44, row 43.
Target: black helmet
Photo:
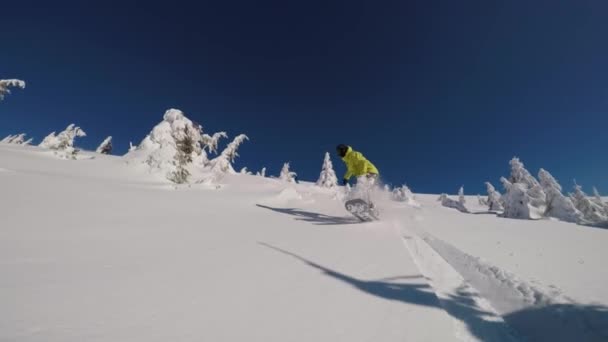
column 342, row 149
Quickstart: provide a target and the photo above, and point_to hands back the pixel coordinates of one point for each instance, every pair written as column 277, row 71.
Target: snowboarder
column 367, row 174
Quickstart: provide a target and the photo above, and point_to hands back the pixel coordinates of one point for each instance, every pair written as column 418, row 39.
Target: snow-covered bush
column 593, row 213
column 18, row 139
column 558, row 205
column 245, row 171
column 481, row 200
column 597, row 199
column 516, row 201
column 404, row 194
column 519, row 174
column 132, row 147
column 286, row 175
column 6, row 84
column 105, row 147
column 261, row 173
column 327, row 178
column 63, row 143
column 450, row 203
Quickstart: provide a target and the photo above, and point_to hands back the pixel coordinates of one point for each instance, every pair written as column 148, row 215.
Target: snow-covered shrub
column 327, row 178
column 516, row 202
column 6, row 84
column 494, row 198
column 450, row 203
column 558, row 205
column 18, row 139
column 261, row 173
column 286, row 175
column 481, row 200
column 105, row 147
column 223, row 163
column 63, row 143
column 519, row 174
column 593, row 213
column 245, row 171
column 132, row 147
column 404, row 194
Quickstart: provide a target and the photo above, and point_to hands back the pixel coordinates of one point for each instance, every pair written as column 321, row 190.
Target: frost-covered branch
column 6, row 84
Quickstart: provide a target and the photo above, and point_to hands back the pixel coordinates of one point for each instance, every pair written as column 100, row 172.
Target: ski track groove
column 505, row 293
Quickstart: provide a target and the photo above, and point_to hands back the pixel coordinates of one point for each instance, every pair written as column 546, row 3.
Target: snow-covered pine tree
column 494, row 198
column 222, row 164
column 105, row 147
column 461, row 198
column 6, row 84
column 327, row 178
column 592, row 212
column 286, row 175
column 519, row 174
column 558, row 205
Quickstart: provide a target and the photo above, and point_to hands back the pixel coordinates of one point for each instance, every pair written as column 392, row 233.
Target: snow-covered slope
column 98, row 250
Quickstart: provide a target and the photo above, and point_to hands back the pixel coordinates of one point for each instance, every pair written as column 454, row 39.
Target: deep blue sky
column 436, row 93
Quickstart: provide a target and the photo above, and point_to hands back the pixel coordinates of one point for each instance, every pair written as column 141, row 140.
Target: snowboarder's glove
column 344, row 181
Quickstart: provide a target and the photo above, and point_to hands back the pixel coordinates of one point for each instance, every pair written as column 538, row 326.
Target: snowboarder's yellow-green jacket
column 357, row 165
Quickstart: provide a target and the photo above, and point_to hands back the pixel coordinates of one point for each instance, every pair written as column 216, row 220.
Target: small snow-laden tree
column 7, row 139
column 245, row 171
column 261, row 173
column 591, row 211
column 64, row 141
column 461, row 198
column 105, row 147
column 132, row 147
column 481, row 200
column 286, row 175
column 327, row 177
column 519, row 174
column 516, row 201
column 222, row 164
column 450, row 203
column 6, row 84
column 558, row 205
column 494, row 198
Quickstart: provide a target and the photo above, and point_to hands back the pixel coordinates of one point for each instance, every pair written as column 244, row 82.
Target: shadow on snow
column 316, row 218
column 552, row 322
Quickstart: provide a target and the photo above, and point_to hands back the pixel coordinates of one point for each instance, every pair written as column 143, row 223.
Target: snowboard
column 361, row 210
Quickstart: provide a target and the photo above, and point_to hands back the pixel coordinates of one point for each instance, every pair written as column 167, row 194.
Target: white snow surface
column 100, row 250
